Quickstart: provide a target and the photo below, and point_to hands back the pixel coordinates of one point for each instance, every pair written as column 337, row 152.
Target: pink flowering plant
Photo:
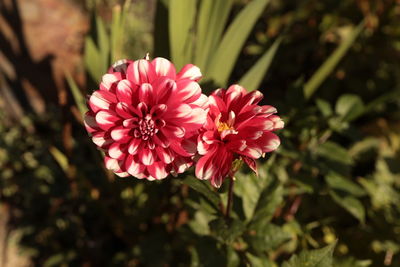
column 146, row 117
column 152, row 121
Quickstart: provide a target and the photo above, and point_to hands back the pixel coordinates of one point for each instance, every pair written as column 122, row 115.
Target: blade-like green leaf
column 60, row 157
column 252, row 79
column 161, row 44
column 228, row 50
column 116, row 34
column 349, row 203
column 210, row 25
column 92, row 60
column 181, row 19
column 327, row 67
column 76, row 94
column 203, row 189
column 315, row 258
column 103, row 41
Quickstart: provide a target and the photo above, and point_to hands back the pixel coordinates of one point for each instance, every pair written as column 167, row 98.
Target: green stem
column 230, row 197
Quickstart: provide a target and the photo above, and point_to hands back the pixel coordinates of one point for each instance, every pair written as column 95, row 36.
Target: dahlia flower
column 145, row 117
column 236, row 128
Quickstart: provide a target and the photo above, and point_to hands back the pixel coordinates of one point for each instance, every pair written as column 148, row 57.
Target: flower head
column 145, row 117
column 236, row 128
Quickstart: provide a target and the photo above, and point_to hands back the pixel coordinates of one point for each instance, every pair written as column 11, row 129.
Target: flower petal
column 165, row 155
column 108, row 80
column 106, row 119
column 268, row 142
column 90, row 122
column 188, row 90
column 101, row 99
column 125, row 90
column 204, row 167
column 141, row 71
column 134, row 145
column 146, row 156
column 120, row 134
column 132, row 167
column 115, row 151
column 164, row 67
column 146, row 93
column 189, row 71
column 157, row 170
column 100, row 140
column 111, row 164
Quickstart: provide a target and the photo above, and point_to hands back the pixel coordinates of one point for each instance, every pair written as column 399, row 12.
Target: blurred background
column 332, row 69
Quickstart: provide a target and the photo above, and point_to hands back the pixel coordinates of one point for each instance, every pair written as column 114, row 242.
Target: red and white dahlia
column 236, row 128
column 145, row 115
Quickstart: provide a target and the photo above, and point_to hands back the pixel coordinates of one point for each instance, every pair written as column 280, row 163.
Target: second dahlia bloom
column 145, row 116
column 236, row 128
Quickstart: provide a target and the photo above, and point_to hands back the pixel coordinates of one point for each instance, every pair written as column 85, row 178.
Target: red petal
column 164, row 67
column 106, row 119
column 157, row 170
column 189, row 71
column 141, row 71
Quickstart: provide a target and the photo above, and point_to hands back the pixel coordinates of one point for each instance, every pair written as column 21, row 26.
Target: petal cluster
column 146, row 117
column 236, row 128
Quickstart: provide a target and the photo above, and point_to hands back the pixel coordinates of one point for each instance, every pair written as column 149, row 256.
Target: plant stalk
column 230, row 197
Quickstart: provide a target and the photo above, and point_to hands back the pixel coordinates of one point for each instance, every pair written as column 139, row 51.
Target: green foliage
column 252, row 79
column 227, row 52
column 315, row 258
column 334, row 180
column 328, row 66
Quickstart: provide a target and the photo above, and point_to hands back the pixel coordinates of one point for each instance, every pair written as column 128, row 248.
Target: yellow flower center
column 222, row 126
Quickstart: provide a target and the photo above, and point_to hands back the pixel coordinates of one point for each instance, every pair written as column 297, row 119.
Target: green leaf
column 226, row 232
column 349, row 203
column 349, row 107
column 76, row 94
column 360, row 148
column 387, row 97
column 204, row 189
column 103, row 41
column 262, row 261
column 117, row 27
column 208, row 252
column 200, row 223
column 228, row 50
column 92, row 60
column 269, row 200
column 60, row 157
column 329, row 65
column 314, row 258
column 248, row 188
column 351, row 262
column 210, row 25
column 339, row 182
column 161, row 41
column 324, row 107
column 335, row 152
column 252, row 79
column 233, row 259
column 181, row 19
column 263, row 237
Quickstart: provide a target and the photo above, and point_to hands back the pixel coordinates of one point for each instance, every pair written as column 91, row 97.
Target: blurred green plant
column 333, row 184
